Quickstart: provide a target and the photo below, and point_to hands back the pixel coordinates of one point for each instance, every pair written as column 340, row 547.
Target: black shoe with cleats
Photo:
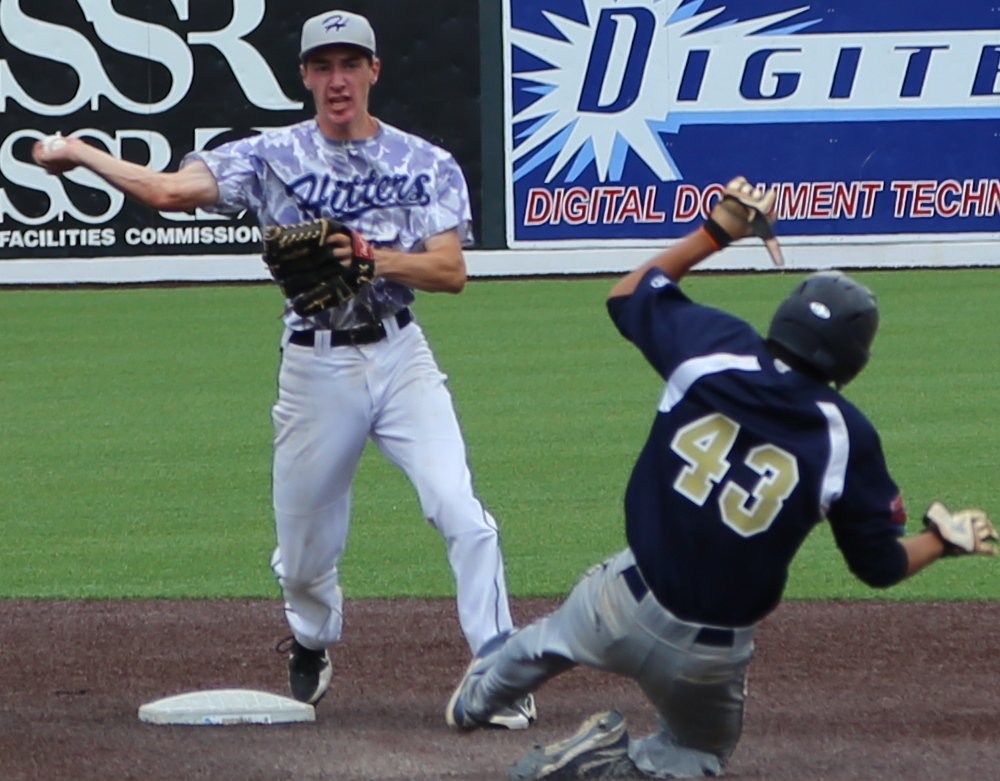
column 309, row 671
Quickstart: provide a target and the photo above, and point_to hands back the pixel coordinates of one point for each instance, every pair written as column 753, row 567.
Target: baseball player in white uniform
column 364, row 369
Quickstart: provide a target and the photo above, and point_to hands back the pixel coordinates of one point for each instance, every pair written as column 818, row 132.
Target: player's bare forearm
column 192, row 186
column 921, row 550
column 675, row 261
column 439, row 268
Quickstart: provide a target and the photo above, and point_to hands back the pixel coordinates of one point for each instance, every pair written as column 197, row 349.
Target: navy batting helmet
column 828, row 323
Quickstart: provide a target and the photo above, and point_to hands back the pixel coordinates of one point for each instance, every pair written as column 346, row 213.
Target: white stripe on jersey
column 840, row 447
column 693, row 369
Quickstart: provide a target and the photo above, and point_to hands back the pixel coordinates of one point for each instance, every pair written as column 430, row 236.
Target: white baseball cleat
column 521, row 715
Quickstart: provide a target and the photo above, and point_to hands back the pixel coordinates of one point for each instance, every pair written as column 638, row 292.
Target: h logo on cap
column 334, row 22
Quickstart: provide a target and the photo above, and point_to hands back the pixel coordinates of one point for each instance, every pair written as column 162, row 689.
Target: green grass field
column 136, row 433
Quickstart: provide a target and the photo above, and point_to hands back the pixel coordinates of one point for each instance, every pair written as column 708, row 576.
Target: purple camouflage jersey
column 395, row 188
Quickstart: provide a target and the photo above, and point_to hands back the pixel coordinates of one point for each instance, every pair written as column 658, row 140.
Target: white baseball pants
column 331, row 400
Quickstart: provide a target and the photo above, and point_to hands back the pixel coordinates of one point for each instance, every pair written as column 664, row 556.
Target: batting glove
column 962, row 532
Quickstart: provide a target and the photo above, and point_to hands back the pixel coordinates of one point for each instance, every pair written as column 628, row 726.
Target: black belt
column 707, row 635
column 635, row 583
column 363, row 334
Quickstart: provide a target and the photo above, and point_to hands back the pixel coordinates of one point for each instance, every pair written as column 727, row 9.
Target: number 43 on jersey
column 705, row 445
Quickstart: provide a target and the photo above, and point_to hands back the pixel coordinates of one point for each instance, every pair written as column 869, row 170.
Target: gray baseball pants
column 695, row 679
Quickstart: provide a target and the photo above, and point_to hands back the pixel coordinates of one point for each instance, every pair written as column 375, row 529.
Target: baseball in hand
column 52, row 143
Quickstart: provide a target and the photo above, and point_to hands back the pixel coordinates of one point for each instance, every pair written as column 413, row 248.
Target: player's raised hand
column 963, row 531
column 56, row 153
column 742, row 211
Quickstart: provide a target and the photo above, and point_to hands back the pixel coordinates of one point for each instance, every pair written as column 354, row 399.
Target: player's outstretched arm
column 675, row 261
column 192, row 186
column 738, row 214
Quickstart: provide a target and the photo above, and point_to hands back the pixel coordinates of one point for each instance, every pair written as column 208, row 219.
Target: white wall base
column 749, row 255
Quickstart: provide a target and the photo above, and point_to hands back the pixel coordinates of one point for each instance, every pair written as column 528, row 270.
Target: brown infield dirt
column 838, row 690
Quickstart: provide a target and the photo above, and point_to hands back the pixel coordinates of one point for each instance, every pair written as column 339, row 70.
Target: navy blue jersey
column 744, row 458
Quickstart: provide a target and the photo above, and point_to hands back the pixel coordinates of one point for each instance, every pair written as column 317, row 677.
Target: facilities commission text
column 823, row 200
column 133, row 237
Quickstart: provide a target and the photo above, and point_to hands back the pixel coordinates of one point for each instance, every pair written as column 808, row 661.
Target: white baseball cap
column 333, row 27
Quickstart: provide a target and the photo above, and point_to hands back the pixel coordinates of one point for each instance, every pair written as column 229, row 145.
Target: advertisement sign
column 149, row 83
column 875, row 121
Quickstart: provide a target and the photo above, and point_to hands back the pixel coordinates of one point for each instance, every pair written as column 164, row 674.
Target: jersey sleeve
column 451, row 209
column 668, row 327
column 868, row 518
column 237, row 174
column 645, row 317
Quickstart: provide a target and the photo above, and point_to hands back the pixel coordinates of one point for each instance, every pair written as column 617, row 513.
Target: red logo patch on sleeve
column 897, row 510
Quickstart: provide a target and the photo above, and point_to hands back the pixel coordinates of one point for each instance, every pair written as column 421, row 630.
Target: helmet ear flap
column 828, row 324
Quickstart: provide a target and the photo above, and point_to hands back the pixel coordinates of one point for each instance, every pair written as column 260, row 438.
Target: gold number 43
column 705, row 444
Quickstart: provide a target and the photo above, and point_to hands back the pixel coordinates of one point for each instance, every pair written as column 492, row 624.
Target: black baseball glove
column 302, row 261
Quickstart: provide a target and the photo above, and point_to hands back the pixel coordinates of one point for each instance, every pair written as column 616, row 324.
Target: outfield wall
column 590, row 132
